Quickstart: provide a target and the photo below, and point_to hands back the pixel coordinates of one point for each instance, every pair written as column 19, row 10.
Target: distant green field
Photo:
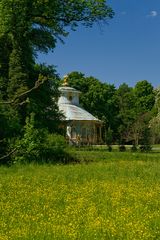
column 116, row 196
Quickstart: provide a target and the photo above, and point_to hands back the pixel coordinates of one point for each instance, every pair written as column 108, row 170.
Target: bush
column 55, row 149
column 30, row 145
column 146, row 141
column 145, row 148
column 37, row 145
column 109, row 148
column 134, row 148
column 122, row 148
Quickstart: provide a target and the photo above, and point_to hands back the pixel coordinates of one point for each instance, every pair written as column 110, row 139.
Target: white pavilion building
column 82, row 127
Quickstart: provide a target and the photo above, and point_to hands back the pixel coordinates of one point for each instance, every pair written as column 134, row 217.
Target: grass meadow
column 111, row 196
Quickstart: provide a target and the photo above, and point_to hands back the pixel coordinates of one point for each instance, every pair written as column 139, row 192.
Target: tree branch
column 8, row 155
column 40, row 81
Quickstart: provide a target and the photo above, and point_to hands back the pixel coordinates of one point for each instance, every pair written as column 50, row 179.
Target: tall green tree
column 144, row 103
column 154, row 123
column 134, row 111
column 145, row 97
column 126, row 112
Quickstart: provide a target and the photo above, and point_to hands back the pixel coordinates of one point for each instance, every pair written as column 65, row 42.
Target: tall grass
column 104, row 155
column 110, row 198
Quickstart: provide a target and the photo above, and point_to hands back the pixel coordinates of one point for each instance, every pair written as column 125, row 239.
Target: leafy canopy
column 43, row 21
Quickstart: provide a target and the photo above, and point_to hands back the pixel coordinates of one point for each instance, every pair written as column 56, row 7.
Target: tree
column 126, row 112
column 145, row 96
column 134, row 111
column 154, row 123
column 157, row 99
column 43, row 102
column 145, row 99
column 139, row 131
column 40, row 23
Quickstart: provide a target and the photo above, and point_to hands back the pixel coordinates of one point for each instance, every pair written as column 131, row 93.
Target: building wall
column 84, row 132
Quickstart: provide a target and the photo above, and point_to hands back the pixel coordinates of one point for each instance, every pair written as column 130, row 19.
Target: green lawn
column 110, row 198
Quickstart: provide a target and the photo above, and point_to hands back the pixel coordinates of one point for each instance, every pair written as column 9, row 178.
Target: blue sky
column 125, row 50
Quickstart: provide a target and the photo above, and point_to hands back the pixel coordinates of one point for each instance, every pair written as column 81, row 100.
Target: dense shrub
column 134, row 148
column 145, row 148
column 37, row 145
column 146, row 141
column 55, row 149
column 122, row 148
column 28, row 147
column 109, row 148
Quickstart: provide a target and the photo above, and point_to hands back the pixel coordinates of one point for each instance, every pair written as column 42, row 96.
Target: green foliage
column 49, row 21
column 146, row 140
column 157, row 99
column 37, row 145
column 135, row 111
column 18, row 76
column 5, row 48
column 109, row 136
column 9, row 122
column 145, row 97
column 55, row 149
column 126, row 112
column 10, row 127
column 43, row 102
column 134, row 148
column 29, row 147
column 154, row 125
column 122, row 148
column 109, row 148
column 145, row 148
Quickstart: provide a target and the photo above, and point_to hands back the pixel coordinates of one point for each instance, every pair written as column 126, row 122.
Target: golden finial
column 65, row 80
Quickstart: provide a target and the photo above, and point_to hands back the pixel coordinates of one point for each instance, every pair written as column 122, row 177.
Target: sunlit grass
column 116, row 199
